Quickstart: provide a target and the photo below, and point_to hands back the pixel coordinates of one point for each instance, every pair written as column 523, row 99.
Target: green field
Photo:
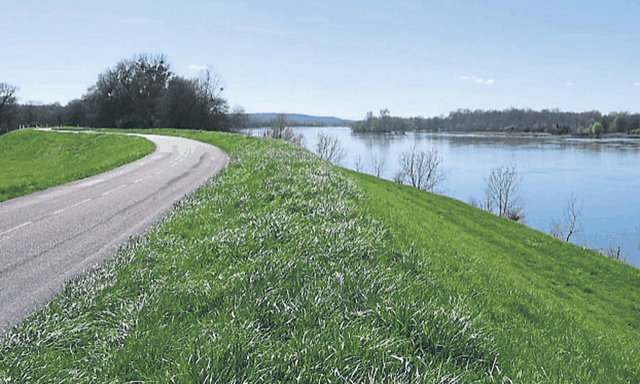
column 285, row 269
column 32, row 160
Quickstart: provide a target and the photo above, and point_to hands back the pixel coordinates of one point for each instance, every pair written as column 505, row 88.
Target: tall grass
column 31, row 160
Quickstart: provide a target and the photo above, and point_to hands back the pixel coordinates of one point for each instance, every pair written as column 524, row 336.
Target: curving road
column 49, row 237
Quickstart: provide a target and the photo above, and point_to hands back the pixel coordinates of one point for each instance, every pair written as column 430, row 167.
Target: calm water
column 604, row 175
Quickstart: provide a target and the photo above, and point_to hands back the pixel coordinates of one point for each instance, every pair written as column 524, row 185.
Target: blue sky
column 341, row 58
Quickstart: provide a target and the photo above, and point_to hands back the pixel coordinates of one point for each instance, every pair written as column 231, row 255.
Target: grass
column 32, row 160
column 558, row 313
column 287, row 269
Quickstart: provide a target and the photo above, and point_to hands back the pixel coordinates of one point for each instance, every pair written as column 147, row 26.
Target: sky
column 340, row 57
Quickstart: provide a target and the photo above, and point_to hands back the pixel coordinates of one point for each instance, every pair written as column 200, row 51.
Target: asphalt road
column 51, row 236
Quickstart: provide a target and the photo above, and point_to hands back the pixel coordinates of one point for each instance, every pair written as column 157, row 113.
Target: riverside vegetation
column 519, row 121
column 285, row 268
column 31, row 160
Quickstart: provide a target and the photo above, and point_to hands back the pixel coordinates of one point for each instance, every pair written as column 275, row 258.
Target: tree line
column 555, row 122
column 142, row 92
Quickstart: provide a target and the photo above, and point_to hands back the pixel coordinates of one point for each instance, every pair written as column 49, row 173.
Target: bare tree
column 502, row 193
column 239, row 118
column 130, row 94
column 421, row 169
column 385, row 120
column 280, row 130
column 564, row 230
column 30, row 112
column 210, row 89
column 7, row 102
column 378, row 165
column 615, row 253
column 399, row 177
column 328, row 148
column 358, row 163
column 475, row 203
column 557, row 229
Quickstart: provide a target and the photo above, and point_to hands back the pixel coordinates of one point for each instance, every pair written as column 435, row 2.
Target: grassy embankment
column 32, row 160
column 286, row 269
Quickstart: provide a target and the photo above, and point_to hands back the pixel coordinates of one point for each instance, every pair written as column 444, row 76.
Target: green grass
column 287, row 269
column 32, row 160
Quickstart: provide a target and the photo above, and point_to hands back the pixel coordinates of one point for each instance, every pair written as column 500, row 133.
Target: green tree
column 619, row 123
column 597, row 129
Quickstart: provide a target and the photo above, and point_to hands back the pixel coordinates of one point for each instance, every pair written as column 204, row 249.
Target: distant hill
column 299, row 118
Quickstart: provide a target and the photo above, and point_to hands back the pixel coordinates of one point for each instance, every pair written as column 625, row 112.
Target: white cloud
column 569, row 84
column 198, row 67
column 637, row 84
column 476, row 80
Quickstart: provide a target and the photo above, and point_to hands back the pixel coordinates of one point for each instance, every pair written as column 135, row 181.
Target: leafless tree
column 377, row 164
column 280, row 130
column 421, row 169
column 502, row 193
column 358, row 163
column 399, row 177
column 210, row 88
column 557, row 229
column 239, row 118
column 30, row 112
column 385, row 120
column 615, row 253
column 328, row 148
column 475, row 203
column 564, row 230
column 7, row 101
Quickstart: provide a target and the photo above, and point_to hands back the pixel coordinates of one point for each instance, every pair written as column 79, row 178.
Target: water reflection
column 377, row 140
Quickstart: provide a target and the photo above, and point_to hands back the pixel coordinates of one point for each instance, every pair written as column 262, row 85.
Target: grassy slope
column 31, row 160
column 283, row 268
column 556, row 310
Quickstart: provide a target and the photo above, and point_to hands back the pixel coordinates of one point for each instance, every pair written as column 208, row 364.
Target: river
column 603, row 174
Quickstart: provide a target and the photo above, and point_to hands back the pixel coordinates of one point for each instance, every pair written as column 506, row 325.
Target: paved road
column 48, row 237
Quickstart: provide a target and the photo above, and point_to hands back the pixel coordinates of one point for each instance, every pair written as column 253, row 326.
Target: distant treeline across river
column 555, row 122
